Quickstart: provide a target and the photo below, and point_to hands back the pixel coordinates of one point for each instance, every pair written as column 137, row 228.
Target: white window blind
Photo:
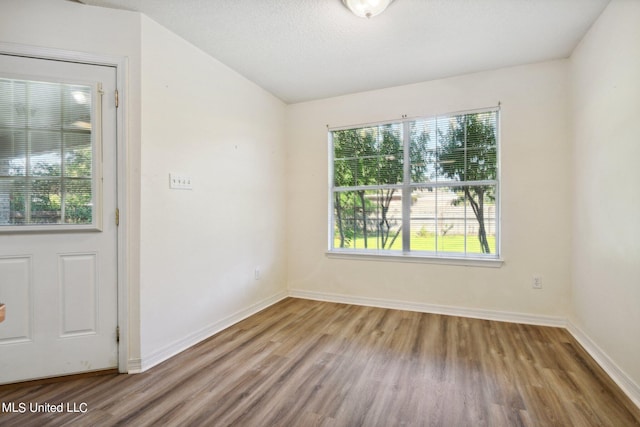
column 46, row 155
column 423, row 187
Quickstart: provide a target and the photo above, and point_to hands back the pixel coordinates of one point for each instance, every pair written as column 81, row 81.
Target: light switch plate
column 180, row 182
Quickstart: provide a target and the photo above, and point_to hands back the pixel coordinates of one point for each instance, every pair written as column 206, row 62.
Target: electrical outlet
column 180, row 182
column 256, row 273
column 536, row 282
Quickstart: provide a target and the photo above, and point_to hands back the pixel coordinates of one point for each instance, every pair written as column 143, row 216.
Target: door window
column 48, row 158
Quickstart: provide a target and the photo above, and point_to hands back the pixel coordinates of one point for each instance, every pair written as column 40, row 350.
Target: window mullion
column 27, row 164
column 436, row 210
column 466, row 178
column 62, row 165
column 331, row 204
column 406, row 188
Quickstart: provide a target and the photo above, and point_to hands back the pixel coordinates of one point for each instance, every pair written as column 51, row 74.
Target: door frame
column 121, row 67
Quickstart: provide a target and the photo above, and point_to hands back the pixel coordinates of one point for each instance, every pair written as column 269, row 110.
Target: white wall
column 200, row 248
column 605, row 93
column 536, row 174
column 63, row 25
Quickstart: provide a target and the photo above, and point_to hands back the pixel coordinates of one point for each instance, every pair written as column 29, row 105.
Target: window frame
column 406, row 254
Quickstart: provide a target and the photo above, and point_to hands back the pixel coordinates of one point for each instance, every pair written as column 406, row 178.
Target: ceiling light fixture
column 366, row 8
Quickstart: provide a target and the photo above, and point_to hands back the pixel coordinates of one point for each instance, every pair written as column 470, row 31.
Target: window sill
column 49, row 228
column 413, row 258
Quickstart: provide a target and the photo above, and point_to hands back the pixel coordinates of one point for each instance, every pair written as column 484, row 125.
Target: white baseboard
column 190, row 340
column 623, row 380
column 502, row 316
column 134, row 366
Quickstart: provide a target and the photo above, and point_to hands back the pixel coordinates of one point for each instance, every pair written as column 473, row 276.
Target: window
column 424, row 187
column 46, row 155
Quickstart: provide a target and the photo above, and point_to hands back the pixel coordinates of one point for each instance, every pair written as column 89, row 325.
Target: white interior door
column 58, row 233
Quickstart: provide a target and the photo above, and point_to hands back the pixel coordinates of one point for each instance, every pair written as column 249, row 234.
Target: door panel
column 78, row 294
column 58, row 237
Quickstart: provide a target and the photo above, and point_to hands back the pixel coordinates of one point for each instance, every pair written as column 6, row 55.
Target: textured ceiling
column 308, row 49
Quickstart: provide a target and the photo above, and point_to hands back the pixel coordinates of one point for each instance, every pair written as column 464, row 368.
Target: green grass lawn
column 426, row 242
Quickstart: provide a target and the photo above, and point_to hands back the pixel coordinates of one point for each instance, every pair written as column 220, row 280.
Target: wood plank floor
column 308, row 363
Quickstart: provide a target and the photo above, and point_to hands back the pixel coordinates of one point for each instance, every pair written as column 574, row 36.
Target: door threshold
column 63, row 378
